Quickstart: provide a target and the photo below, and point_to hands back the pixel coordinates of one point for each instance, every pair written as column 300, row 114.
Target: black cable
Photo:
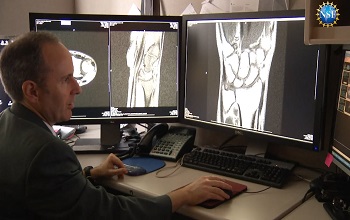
column 259, row 191
column 311, row 190
column 227, row 140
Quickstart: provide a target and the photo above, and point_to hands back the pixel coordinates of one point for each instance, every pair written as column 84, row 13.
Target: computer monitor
column 127, row 67
column 340, row 148
column 5, row 100
column 249, row 73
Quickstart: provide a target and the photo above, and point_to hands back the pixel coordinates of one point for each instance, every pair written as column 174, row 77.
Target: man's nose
column 77, row 89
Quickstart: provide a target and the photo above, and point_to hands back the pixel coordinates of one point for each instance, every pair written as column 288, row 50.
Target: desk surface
column 311, row 209
column 270, row 204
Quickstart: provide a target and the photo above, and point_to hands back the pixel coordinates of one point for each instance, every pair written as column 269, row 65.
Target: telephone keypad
column 169, row 145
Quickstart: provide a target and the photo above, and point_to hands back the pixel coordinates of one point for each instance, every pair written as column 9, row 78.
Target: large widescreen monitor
column 340, row 149
column 249, row 73
column 127, row 66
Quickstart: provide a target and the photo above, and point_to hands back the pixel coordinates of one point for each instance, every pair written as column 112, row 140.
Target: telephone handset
column 167, row 143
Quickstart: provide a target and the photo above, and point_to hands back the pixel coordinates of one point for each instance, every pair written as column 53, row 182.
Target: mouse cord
column 175, row 167
column 308, row 195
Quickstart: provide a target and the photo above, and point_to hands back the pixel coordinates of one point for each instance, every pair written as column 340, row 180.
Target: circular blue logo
column 327, row 14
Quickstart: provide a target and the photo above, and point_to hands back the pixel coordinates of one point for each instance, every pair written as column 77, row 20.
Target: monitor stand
column 110, row 141
column 256, row 148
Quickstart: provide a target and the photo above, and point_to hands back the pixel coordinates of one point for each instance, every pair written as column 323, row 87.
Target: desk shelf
column 315, row 33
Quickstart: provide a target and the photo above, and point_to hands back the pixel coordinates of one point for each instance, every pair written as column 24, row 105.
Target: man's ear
column 30, row 91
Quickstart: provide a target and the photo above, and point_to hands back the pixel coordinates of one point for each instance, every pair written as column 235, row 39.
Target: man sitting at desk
column 41, row 177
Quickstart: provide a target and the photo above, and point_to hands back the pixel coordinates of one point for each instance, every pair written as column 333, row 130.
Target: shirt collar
column 51, row 128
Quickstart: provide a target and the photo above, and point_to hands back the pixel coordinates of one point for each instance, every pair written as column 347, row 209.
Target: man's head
column 37, row 71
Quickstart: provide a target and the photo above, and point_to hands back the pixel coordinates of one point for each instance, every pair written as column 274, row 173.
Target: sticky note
column 329, row 160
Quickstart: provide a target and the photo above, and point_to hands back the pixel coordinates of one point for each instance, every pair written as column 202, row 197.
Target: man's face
column 56, row 96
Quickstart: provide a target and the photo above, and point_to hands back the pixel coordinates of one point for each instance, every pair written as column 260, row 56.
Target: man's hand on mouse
column 200, row 190
column 207, row 187
column 107, row 168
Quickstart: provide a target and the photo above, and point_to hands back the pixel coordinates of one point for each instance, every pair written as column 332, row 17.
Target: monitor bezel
column 2, row 89
column 338, row 158
column 131, row 18
column 318, row 142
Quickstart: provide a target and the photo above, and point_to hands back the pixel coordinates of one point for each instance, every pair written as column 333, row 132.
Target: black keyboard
column 250, row 168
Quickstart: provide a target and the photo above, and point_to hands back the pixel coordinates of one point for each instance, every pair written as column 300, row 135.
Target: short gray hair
column 23, row 60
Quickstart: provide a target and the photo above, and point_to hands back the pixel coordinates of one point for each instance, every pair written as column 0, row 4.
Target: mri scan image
column 85, row 67
column 144, row 59
column 245, row 53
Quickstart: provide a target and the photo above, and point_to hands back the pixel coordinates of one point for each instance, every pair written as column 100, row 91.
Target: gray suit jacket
column 41, row 178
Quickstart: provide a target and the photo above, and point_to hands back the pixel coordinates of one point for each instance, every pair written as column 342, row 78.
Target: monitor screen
column 341, row 143
column 127, row 66
column 5, row 100
column 251, row 74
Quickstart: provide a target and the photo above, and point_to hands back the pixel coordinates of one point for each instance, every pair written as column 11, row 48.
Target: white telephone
column 64, row 132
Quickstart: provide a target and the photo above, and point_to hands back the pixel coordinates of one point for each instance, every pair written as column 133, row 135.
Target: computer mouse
column 212, row 203
column 237, row 189
column 229, row 192
column 135, row 170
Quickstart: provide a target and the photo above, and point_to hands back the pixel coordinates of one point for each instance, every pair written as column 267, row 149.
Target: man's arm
column 206, row 187
column 57, row 188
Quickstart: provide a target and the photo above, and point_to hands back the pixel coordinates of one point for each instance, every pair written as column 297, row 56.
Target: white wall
column 14, row 19
column 14, row 14
column 176, row 7
column 105, row 6
column 296, row 4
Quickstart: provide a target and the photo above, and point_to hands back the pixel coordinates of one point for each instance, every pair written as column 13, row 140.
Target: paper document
column 189, row 10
